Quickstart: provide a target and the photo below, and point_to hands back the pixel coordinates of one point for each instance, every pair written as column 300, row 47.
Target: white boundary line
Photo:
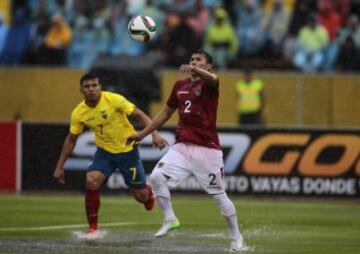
column 72, row 226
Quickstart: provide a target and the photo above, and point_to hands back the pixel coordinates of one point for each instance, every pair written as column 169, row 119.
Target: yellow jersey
column 108, row 120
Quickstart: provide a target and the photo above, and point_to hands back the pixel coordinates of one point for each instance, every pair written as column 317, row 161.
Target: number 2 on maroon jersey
column 187, row 106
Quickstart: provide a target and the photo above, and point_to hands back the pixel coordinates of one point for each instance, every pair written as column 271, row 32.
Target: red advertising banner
column 8, row 163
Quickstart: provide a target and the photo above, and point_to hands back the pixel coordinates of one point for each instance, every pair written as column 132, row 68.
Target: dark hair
column 87, row 76
column 204, row 53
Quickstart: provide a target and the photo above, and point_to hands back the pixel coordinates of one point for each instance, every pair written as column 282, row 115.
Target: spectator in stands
column 51, row 7
column 300, row 17
column 351, row 30
column 349, row 41
column 312, row 40
column 181, row 42
column 250, row 97
column 250, row 36
column 3, row 32
column 103, row 9
column 17, row 40
column 81, row 48
column 157, row 15
column 349, row 57
column 39, row 29
column 342, row 7
column 220, row 39
column 122, row 43
column 176, row 47
column 57, row 41
column 275, row 24
column 152, row 10
column 98, row 39
column 198, row 20
column 101, row 36
column 330, row 19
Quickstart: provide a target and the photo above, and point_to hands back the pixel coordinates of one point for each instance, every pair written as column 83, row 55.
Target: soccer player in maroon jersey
column 196, row 151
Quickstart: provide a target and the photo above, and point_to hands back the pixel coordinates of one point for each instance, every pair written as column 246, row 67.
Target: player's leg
column 169, row 171
column 134, row 175
column 98, row 171
column 140, row 195
column 145, row 196
column 163, row 198
column 94, row 180
column 208, row 171
column 228, row 210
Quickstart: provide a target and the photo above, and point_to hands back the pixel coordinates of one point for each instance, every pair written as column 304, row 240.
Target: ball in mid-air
column 142, row 28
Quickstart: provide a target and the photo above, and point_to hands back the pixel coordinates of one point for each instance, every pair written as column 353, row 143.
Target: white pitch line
column 73, row 226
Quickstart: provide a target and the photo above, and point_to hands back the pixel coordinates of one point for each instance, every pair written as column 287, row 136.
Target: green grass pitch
column 46, row 223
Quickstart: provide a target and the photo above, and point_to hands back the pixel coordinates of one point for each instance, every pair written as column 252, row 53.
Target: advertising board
column 301, row 162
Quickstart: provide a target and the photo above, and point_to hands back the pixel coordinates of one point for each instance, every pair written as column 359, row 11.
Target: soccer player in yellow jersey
column 106, row 115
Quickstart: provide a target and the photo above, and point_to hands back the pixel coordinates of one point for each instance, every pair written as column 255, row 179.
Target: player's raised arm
column 158, row 121
column 68, row 147
column 211, row 78
column 158, row 141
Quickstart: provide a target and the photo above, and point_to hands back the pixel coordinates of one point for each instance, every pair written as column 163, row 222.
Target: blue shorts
column 128, row 163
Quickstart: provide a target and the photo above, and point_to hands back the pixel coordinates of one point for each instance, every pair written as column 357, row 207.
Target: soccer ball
column 142, row 28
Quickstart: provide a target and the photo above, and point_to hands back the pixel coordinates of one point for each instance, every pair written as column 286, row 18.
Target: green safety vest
column 250, row 96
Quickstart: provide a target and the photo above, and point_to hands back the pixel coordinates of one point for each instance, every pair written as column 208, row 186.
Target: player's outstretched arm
column 68, row 147
column 211, row 78
column 158, row 141
column 159, row 120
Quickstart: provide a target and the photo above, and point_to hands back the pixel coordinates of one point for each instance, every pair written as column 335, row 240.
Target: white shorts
column 185, row 160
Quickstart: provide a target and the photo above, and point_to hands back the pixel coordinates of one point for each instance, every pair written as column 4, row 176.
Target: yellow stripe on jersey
column 108, row 120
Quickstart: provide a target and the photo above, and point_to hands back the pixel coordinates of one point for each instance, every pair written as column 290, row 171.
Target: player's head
column 200, row 58
column 90, row 87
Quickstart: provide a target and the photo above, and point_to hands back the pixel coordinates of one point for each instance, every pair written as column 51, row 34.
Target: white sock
column 228, row 210
column 233, row 226
column 166, row 207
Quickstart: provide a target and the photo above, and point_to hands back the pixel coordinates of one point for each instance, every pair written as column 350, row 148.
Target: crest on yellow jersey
column 103, row 114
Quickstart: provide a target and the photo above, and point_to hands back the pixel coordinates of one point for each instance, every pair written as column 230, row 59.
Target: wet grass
column 268, row 225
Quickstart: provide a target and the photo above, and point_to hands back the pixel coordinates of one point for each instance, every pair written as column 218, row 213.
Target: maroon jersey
column 197, row 107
